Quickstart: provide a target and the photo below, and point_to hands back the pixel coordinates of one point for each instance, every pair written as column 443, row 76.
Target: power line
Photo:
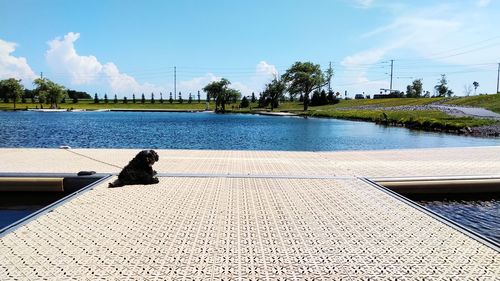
column 443, row 54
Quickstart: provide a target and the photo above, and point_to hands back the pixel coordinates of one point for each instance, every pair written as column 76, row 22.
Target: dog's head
column 148, row 157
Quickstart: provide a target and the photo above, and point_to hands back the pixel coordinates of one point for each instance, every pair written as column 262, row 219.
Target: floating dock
column 249, row 215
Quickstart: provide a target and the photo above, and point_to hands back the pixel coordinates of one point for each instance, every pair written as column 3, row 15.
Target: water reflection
column 482, row 217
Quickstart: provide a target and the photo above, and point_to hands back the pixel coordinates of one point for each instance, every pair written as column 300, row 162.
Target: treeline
column 152, row 99
column 45, row 91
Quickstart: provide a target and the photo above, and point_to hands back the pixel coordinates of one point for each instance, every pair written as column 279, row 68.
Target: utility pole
column 498, row 78
column 175, row 83
column 392, row 65
column 330, row 78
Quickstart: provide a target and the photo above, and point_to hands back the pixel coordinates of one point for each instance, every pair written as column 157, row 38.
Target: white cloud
column 63, row 58
column 264, row 68
column 124, row 83
column 359, row 64
column 243, row 88
column 483, row 3
column 364, row 3
column 262, row 74
column 14, row 67
column 196, row 84
column 365, row 57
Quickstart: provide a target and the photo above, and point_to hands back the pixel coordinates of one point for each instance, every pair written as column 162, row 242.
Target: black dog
column 139, row 170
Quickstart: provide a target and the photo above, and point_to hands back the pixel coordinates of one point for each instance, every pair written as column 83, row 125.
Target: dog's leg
column 116, row 183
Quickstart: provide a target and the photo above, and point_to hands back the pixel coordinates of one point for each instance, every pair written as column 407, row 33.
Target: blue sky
column 124, row 47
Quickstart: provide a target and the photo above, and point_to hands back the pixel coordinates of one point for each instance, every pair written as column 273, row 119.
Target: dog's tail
column 116, row 183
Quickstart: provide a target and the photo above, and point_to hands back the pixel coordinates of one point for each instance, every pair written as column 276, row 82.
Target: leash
column 67, row 148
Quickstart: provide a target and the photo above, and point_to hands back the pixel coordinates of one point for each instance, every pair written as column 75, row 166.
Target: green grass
column 425, row 119
column 296, row 106
column 381, row 102
column 490, row 102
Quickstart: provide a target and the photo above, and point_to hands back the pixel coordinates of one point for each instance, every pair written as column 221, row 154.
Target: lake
column 205, row 130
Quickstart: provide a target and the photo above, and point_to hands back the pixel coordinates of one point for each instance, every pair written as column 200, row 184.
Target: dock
column 249, row 215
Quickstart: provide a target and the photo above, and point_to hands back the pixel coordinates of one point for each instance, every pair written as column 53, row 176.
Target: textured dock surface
column 249, row 215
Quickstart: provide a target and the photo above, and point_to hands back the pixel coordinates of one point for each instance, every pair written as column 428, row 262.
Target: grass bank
column 429, row 120
column 490, row 102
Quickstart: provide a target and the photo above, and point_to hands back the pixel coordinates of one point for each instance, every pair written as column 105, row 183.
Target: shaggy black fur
column 139, row 170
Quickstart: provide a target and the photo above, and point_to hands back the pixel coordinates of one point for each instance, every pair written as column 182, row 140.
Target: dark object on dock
column 85, row 173
column 139, row 170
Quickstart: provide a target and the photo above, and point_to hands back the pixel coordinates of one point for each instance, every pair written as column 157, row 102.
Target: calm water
column 211, row 131
column 482, row 217
column 8, row 217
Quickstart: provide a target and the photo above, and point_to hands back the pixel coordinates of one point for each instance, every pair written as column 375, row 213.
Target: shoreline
column 487, row 131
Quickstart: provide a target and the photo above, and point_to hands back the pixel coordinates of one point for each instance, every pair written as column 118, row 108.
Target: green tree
column 49, row 91
column 161, row 97
column 274, row 91
column 244, row 102
column 96, row 98
column 170, row 100
column 133, row 98
column 476, row 85
column 303, row 78
column 180, row 98
column 415, row 89
column 442, row 87
column 125, row 100
column 315, row 98
column 262, row 101
column 253, row 98
column 410, row 93
column 152, row 98
column 143, row 98
column 190, row 99
column 11, row 89
column 199, row 97
column 418, row 87
column 233, row 95
column 80, row 95
column 330, row 97
column 220, row 91
column 105, row 98
column 115, row 100
column 217, row 91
